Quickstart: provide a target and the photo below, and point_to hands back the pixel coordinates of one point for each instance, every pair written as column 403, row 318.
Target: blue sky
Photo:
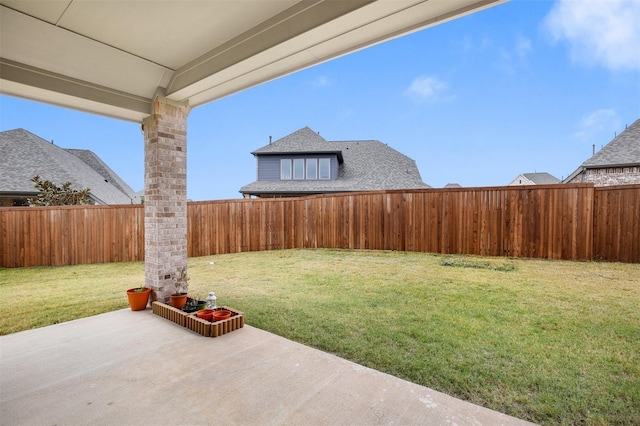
column 529, row 85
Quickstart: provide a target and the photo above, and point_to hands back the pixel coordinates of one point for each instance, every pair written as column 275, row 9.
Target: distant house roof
column 542, row 178
column 622, row 151
column 303, row 141
column 365, row 166
column 25, row 155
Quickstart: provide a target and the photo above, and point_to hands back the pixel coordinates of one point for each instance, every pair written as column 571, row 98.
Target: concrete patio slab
column 135, row 368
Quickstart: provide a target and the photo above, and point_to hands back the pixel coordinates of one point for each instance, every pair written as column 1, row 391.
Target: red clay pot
column 138, row 299
column 205, row 314
column 178, row 300
column 221, row 315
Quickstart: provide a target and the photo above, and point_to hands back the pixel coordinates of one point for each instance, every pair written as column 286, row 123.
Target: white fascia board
column 37, row 94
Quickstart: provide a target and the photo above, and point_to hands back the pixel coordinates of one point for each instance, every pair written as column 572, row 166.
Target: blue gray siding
column 269, row 165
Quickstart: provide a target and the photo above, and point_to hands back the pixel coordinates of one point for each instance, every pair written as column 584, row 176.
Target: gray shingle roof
column 96, row 163
column 624, row 150
column 542, row 178
column 367, row 165
column 25, row 155
column 300, row 141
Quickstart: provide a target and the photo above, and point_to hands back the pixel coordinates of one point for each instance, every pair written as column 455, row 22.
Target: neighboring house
column 304, row 163
column 534, row 179
column 25, row 155
column 617, row 163
column 452, row 185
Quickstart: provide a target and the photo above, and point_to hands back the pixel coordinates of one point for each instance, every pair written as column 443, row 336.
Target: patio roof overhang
column 112, row 57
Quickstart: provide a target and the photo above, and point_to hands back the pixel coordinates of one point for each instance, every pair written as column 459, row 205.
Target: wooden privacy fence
column 553, row 222
column 573, row 222
column 70, row 235
column 616, row 222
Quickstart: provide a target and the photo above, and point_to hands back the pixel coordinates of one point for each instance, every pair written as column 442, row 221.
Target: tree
column 50, row 194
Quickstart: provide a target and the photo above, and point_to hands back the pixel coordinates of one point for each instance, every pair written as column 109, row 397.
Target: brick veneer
column 609, row 176
column 165, row 205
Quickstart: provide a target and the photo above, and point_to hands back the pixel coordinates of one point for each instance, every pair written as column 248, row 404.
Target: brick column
column 165, row 200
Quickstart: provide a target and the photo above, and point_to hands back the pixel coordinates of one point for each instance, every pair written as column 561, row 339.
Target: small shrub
column 50, row 194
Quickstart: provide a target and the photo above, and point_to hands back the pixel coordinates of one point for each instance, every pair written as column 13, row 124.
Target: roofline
column 91, row 197
column 575, row 173
column 606, row 166
column 295, row 152
column 338, row 153
column 295, row 192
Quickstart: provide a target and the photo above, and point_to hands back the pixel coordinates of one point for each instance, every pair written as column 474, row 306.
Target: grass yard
column 548, row 341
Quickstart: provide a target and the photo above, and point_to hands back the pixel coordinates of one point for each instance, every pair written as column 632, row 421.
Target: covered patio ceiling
column 111, row 57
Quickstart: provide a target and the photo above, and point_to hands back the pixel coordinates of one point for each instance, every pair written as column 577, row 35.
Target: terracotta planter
column 221, row 315
column 138, row 299
column 178, row 300
column 205, row 314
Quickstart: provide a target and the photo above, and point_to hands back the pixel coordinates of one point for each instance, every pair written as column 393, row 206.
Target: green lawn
column 548, row 341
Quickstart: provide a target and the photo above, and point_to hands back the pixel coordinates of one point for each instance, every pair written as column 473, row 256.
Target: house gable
column 541, row 178
column 354, row 166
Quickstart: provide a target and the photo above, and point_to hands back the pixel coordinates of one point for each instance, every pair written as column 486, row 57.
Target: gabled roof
column 622, row 151
column 96, row 163
column 301, row 141
column 367, row 165
column 542, row 178
column 25, row 155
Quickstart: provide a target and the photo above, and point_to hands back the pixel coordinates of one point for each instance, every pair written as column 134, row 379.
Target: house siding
column 521, row 180
column 609, row 176
column 268, row 168
column 269, row 165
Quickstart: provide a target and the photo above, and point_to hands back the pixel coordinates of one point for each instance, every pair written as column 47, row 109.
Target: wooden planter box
column 200, row 326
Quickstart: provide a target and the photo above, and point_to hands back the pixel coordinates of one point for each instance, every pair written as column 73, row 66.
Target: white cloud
column 426, row 88
column 600, row 121
column 321, row 81
column 472, row 45
column 511, row 60
column 603, row 32
column 523, row 47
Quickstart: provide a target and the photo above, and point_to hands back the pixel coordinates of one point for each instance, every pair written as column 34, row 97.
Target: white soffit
column 109, row 57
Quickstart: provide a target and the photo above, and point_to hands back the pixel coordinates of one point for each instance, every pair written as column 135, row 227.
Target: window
column 312, row 168
column 305, row 168
column 325, row 168
column 298, row 168
column 285, row 169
